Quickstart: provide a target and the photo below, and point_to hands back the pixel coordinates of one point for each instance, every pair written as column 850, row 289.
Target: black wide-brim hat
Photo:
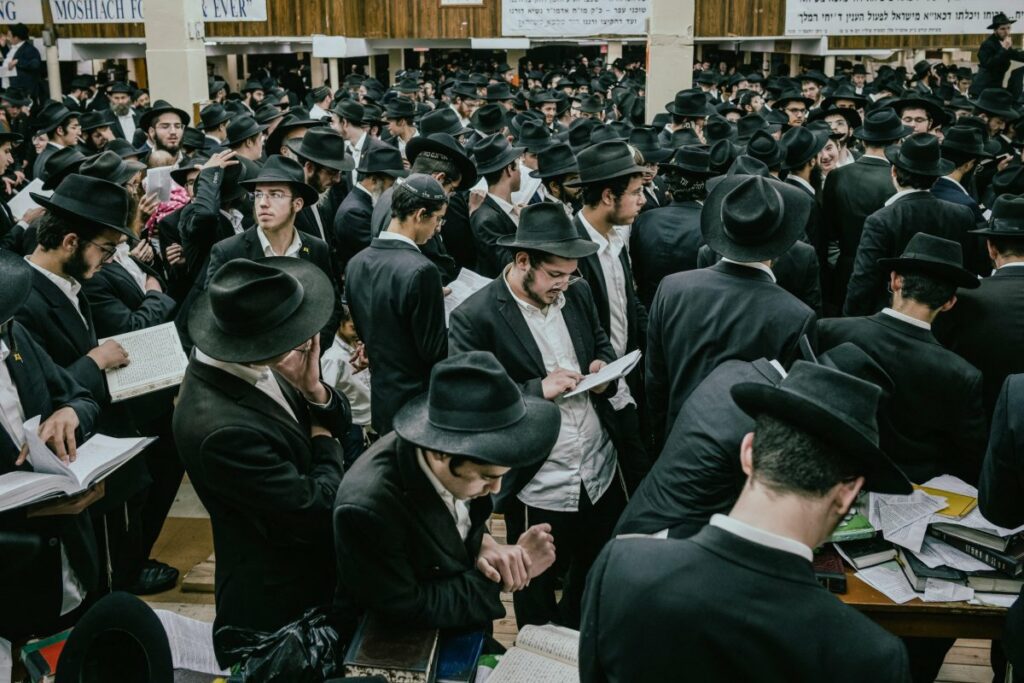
column 179, row 174
column 786, row 229
column 934, row 110
column 807, row 412
column 935, row 168
column 605, row 161
column 89, row 201
column 305, row 321
column 933, row 264
column 15, row 284
column 445, row 146
column 296, row 118
column 1007, row 218
column 1000, row 20
column 162, row 107
column 997, row 102
column 280, row 169
column 473, row 409
column 852, row 117
column 545, row 227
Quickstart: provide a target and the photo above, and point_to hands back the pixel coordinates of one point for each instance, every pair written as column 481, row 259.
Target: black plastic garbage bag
column 304, row 651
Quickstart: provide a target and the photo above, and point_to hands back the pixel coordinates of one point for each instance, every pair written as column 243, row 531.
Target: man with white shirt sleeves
column 497, row 161
column 651, row 603
column 257, row 430
column 546, row 334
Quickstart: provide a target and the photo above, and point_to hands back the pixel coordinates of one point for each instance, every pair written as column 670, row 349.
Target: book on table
column 958, row 505
column 867, row 552
column 156, row 360
column 977, row 536
column 542, row 653
column 828, row 569
column 994, row 581
column 1009, row 561
column 855, row 526
column 52, row 478
column 918, row 572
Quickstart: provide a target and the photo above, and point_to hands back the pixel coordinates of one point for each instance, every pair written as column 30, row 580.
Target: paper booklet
column 541, row 653
column 463, row 287
column 608, row 373
column 191, row 644
column 22, row 202
column 156, row 361
column 97, row 457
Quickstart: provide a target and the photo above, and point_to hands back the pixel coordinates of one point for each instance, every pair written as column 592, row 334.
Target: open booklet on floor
column 51, row 478
column 541, row 653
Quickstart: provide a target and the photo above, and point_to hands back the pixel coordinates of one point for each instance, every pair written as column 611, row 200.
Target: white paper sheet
column 462, row 287
column 937, row 590
column 974, row 519
column 904, row 520
column 994, row 599
column 22, row 202
column 191, row 643
column 609, row 373
column 935, row 553
column 889, row 580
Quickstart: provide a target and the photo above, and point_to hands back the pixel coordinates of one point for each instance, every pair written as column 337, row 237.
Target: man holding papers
column 545, row 332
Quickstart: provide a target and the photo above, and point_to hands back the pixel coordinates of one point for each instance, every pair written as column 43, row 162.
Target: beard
column 170, row 149
column 76, row 266
column 528, row 281
column 122, row 109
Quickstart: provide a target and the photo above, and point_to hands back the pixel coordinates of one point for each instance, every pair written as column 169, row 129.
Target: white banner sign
column 21, row 11
column 129, row 11
column 894, row 17
column 573, row 17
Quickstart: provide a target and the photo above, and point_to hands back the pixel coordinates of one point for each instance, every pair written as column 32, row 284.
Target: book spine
column 1004, row 563
column 834, row 584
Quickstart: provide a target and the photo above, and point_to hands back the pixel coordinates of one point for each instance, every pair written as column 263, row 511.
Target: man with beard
column 126, row 120
column 557, row 166
column 96, row 132
column 465, row 101
column 377, row 171
column 252, row 95
column 165, row 125
column 321, row 151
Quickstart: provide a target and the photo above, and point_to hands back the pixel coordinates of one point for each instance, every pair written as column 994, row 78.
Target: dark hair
column 881, row 144
column 536, row 258
column 20, row 31
column 457, row 461
column 242, row 142
column 789, row 460
column 926, row 290
column 592, row 193
column 431, row 165
column 1007, row 246
column 51, row 230
column 494, row 177
column 914, row 180
column 405, row 204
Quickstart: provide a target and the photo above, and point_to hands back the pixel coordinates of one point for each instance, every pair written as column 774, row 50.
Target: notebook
column 541, row 653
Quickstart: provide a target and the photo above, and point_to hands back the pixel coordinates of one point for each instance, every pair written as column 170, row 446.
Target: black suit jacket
column 435, row 248
column 204, row 225
column 456, row 231
column 934, row 422
column 653, row 604
column 702, row 318
column 394, row 293
column 30, row 69
column 886, row 233
column 993, row 61
column 117, row 129
column 796, row 271
column 269, row 489
column 351, row 225
column 1001, row 487
column 40, row 163
column 119, row 305
column 986, row 328
column 488, row 223
column 399, row 553
column 663, row 241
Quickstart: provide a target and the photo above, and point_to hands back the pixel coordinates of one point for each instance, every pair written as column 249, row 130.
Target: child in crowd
column 345, row 368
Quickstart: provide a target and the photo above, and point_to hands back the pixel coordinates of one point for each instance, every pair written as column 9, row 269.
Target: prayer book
column 1009, row 561
column 156, row 361
column 22, row 202
column 609, row 373
column 993, row 581
column 456, row 662
column 918, row 572
column 397, row 654
column 464, row 286
column 976, row 536
column 97, row 458
column 542, row 653
column 855, row 526
column 867, row 552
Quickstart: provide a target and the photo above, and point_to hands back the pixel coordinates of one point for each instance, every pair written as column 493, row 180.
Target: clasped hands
column 513, row 566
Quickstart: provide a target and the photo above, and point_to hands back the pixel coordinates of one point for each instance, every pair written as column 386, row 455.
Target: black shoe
column 155, row 577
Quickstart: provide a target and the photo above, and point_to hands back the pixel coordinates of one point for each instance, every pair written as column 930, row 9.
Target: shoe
column 155, row 577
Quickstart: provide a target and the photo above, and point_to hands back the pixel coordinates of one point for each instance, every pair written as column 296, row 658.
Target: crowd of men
column 822, row 274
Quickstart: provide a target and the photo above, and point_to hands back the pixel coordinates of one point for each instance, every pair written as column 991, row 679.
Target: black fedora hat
column 690, row 159
column 604, row 161
column 214, row 86
column 125, row 149
column 851, row 116
column 407, row 85
column 609, row 132
column 465, row 90
column 322, row 145
column 493, row 153
column 212, row 115
column 967, row 140
column 935, row 257
column 557, row 160
column 706, row 77
column 89, row 201
column 591, row 104
column 721, row 156
column 766, row 149
column 15, row 283
column 961, row 103
column 489, row 119
column 933, row 109
column 445, row 147
column 118, row 638
column 645, row 140
column 883, row 126
column 296, row 119
column 1000, row 19
column 752, row 218
column 845, row 91
column 790, row 96
column 921, row 154
column 472, row 408
column 545, row 227
column 499, row 92
column 833, row 406
column 59, row 165
column 801, row 145
column 684, row 137
column 93, row 120
column 179, row 174
column 442, row 120
column 691, row 104
column 256, row 310
column 1007, row 218
column 16, row 97
column 108, row 165
column 534, row 137
column 750, row 124
column 281, row 169
column 161, row 107
column 718, row 128
column 241, row 129
column 400, row 108
column 997, row 102
column 349, row 110
column 384, row 160
column 1009, row 181
column 52, row 116
column 267, row 113
column 13, row 138
column 815, row 77
column 192, row 138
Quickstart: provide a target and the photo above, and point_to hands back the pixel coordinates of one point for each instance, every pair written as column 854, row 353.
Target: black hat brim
column 307, row 320
column 708, row 111
column 16, row 276
column 307, row 193
column 467, row 169
column 520, row 444
column 657, row 155
column 945, row 272
column 501, row 161
column 880, row 473
column 863, row 134
column 80, row 218
column 629, row 170
column 940, row 168
column 148, row 118
column 276, row 138
column 555, row 172
column 796, row 210
column 347, row 162
column 576, row 248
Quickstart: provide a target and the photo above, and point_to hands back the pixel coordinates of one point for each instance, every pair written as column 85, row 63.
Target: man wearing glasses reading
column 165, row 125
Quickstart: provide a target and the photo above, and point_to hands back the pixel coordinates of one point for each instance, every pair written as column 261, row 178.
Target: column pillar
column 175, row 53
column 231, row 72
column 830, row 65
column 669, row 52
column 615, row 49
column 316, row 73
column 332, row 65
column 794, row 65
column 53, row 73
column 396, row 62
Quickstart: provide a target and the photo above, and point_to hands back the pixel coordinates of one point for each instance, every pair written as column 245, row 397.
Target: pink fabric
column 179, row 198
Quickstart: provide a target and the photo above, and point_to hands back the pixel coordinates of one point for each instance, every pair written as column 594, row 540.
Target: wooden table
column 925, row 619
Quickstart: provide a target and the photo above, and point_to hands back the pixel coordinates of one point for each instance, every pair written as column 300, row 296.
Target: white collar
column 247, row 373
column 900, row 195
column 801, row 181
column 507, row 207
column 291, row 250
column 4, row 351
column 957, row 183
column 69, row 285
column 760, row 536
column 1011, row 264
column 358, row 146
column 778, row 368
column 906, row 318
column 756, row 265
column 373, row 200
column 613, row 241
column 388, row 235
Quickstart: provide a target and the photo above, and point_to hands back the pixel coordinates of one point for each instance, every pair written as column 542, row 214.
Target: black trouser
column 926, row 656
column 579, row 537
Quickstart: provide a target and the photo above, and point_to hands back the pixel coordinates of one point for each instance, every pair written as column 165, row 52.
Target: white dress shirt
column 608, row 250
column 906, row 318
column 459, row 509
column 756, row 265
column 123, row 256
column 69, row 286
column 388, row 235
column 760, row 536
column 402, row 143
column 268, row 250
column 583, row 453
column 128, row 126
column 899, row 195
column 316, row 112
column 508, row 208
column 356, row 151
column 260, row 377
column 337, row 371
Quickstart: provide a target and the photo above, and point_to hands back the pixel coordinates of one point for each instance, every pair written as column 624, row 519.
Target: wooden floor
column 186, row 541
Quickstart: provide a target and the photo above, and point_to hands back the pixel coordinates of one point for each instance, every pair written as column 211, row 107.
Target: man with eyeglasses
column 165, row 126
column 794, row 105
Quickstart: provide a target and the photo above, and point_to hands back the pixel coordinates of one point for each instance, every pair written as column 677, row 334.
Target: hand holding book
column 57, row 432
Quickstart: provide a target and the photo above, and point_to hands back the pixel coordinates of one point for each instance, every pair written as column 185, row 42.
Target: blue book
column 459, row 652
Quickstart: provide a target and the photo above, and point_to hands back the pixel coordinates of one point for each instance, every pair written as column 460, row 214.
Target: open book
column 464, row 286
column 156, row 361
column 541, row 653
column 97, row 457
column 613, row 371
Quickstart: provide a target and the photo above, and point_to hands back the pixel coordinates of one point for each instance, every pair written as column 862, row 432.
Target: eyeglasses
column 796, row 112
column 274, row 195
column 915, row 119
column 169, row 126
column 109, row 252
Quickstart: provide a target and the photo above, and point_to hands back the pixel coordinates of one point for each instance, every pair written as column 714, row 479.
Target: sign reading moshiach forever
column 895, row 17
column 129, row 11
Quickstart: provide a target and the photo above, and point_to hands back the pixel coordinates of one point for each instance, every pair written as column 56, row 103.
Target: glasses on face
column 796, row 112
column 910, row 120
column 569, row 277
column 164, row 127
column 108, row 251
column 273, row 195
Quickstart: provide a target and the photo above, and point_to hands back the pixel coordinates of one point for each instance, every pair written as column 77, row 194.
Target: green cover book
column 854, row 527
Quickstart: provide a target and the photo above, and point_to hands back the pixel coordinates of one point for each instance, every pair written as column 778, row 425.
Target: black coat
column 30, row 69
column 456, row 231
column 986, row 328
column 351, row 225
column 851, row 194
column 488, row 223
column 886, row 233
column 725, row 609
column 269, row 489
column 655, row 195
column 204, row 225
column 119, row 305
column 31, row 591
column 702, row 318
column 947, row 190
column 993, row 61
column 1001, row 487
column 435, row 248
column 399, row 553
column 117, row 129
column 394, row 293
column 40, row 162
column 698, row 473
column 934, row 422
column 663, row 241
column 796, row 271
